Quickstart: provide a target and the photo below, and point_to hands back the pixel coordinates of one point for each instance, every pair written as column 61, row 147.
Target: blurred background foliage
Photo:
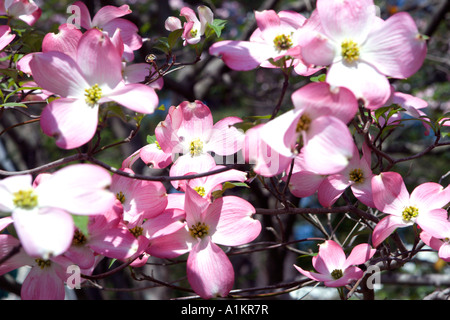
column 250, row 93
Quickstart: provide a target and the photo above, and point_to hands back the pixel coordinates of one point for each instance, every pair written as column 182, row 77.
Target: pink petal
column 209, row 271
column 150, row 198
column 5, row 222
column 241, row 55
column 328, row 145
column 114, row 243
column 85, row 16
column 359, row 255
column 79, row 189
column 350, row 273
column 331, row 256
column 154, row 157
column 136, row 97
column 8, row 243
column 172, row 245
column 319, row 277
column 341, row 19
column 190, row 164
column 444, row 252
column 318, row 51
column 332, row 188
column 320, row 99
column 58, row 73
column 5, row 36
column 108, row 13
column 430, row 195
column 305, row 183
column 195, row 207
column 435, row 222
column 363, row 80
column 99, row 59
column 266, row 161
column 386, row 227
column 195, row 121
column 225, row 138
column 167, row 223
column 395, row 48
column 37, row 232
column 129, row 33
column 235, row 225
column 43, row 284
column 81, row 255
column 71, row 122
column 389, row 193
column 66, row 40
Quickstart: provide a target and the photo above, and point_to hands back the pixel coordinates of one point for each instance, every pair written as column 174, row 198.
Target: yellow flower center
column 196, row 147
column 200, row 190
column 157, row 145
column 25, row 199
column 199, row 230
column 93, row 95
column 137, row 231
column 303, row 123
column 409, row 213
column 337, row 274
column 43, row 263
column 350, row 50
column 357, row 176
column 121, row 197
column 282, row 42
column 79, row 238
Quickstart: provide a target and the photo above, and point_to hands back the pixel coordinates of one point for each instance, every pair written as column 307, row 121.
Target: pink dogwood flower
column 320, row 118
column 362, row 50
column 188, row 133
column 194, row 27
column 272, row 40
column 46, row 278
column 5, row 36
column 25, row 10
column 226, row 221
column 83, row 84
column 140, row 199
column 424, row 206
column 333, row 268
column 41, row 212
column 109, row 19
column 357, row 175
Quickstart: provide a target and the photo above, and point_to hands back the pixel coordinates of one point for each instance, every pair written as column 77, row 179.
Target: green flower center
column 200, row 190
column 93, row 95
column 25, row 199
column 409, row 213
column 43, row 263
column 282, row 42
column 357, row 176
column 337, row 274
column 303, row 123
column 193, row 33
column 137, row 231
column 350, row 50
column 196, row 147
column 199, row 230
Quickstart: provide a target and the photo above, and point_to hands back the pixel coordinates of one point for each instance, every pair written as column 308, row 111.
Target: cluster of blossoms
column 358, row 51
column 310, row 147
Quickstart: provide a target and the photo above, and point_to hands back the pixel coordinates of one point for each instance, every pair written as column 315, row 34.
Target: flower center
column 157, row 145
column 25, row 199
column 350, row 50
column 193, row 33
column 43, row 263
column 196, row 147
column 121, row 197
column 137, row 231
column 303, row 123
column 200, row 190
column 409, row 213
column 337, row 274
column 93, row 95
column 357, row 176
column 199, row 230
column 79, row 238
column 282, row 42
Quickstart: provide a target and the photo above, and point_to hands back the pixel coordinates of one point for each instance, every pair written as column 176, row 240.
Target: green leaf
column 81, row 223
column 217, row 26
column 13, row 104
column 151, row 139
column 228, row 185
column 163, row 45
column 319, row 78
column 173, row 38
